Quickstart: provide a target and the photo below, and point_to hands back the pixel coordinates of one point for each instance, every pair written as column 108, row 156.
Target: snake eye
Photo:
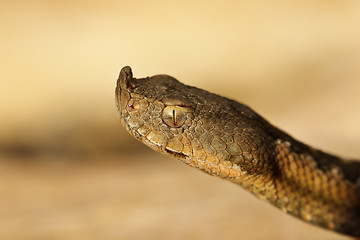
column 174, row 116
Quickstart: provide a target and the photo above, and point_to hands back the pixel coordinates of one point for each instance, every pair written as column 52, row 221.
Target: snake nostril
column 134, row 105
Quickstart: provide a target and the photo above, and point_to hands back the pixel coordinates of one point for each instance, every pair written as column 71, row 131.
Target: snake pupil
column 174, row 117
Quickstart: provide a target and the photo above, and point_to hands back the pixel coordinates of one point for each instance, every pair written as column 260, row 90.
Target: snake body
column 227, row 139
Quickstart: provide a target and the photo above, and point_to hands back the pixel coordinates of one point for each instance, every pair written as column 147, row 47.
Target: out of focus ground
column 69, row 171
column 122, row 198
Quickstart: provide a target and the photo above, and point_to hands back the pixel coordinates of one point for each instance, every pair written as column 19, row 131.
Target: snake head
column 200, row 127
column 155, row 111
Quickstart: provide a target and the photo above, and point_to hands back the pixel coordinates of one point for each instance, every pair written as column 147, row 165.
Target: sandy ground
column 118, row 198
column 69, row 171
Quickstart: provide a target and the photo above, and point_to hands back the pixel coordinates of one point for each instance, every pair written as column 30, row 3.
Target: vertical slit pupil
column 174, row 117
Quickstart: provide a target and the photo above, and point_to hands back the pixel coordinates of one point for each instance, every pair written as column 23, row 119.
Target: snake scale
column 227, row 139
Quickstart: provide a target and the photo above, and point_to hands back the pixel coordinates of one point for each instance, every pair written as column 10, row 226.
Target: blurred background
column 68, row 170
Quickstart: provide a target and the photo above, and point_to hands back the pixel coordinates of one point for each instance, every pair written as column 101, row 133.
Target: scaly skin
column 225, row 138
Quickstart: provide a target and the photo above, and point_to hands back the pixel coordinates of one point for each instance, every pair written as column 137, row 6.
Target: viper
column 225, row 138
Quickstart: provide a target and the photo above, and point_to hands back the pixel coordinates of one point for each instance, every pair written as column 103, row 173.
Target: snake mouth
column 175, row 154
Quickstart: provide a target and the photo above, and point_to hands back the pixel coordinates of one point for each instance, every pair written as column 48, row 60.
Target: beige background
column 68, row 169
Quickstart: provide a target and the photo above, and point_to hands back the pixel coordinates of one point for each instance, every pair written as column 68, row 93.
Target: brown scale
column 225, row 138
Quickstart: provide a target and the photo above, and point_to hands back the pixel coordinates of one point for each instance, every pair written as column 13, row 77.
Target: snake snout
column 122, row 87
column 125, row 77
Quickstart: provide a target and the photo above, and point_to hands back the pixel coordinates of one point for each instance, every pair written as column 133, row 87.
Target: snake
column 225, row 138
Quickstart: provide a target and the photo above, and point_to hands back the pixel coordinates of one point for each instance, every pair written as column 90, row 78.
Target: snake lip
column 175, row 154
